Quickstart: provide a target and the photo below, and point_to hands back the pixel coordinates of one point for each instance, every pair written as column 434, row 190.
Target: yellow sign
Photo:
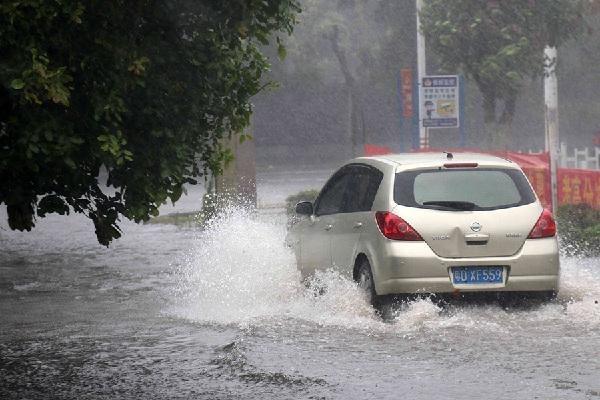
column 446, row 108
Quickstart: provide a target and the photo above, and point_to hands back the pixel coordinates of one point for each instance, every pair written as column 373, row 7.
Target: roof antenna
column 449, row 155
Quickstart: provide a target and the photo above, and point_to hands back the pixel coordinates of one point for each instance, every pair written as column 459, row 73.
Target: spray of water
column 241, row 273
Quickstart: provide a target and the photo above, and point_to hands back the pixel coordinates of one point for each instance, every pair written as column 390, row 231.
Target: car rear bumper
column 444, row 285
column 415, row 268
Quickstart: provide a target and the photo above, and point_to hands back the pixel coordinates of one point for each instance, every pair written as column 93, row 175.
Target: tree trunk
column 237, row 184
column 498, row 135
column 498, row 130
column 356, row 124
column 357, row 137
column 507, row 117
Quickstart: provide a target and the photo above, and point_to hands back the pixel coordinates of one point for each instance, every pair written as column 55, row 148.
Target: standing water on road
column 170, row 312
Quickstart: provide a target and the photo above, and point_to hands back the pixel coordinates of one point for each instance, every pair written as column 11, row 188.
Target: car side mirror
column 304, row 208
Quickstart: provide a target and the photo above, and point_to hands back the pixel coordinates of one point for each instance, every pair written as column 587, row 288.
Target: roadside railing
column 575, row 158
column 586, row 158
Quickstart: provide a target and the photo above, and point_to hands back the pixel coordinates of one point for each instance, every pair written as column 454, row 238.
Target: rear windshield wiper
column 454, row 205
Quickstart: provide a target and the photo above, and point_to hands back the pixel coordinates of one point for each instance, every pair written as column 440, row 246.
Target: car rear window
column 463, row 189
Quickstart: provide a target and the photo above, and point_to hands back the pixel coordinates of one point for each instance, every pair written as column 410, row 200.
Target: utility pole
column 421, row 72
column 551, row 119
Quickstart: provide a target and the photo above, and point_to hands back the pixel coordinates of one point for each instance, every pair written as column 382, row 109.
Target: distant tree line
column 348, row 92
column 498, row 45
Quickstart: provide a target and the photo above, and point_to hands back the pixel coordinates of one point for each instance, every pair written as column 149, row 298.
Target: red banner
column 540, row 181
column 372, row 150
column 577, row 186
column 406, row 87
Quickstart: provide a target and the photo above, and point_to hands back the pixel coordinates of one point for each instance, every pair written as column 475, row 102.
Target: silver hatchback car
column 430, row 223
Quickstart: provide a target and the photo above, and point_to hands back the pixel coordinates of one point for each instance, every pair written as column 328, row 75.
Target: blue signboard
column 439, row 101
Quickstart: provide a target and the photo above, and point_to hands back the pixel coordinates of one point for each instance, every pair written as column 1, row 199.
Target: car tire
column 365, row 281
column 549, row 295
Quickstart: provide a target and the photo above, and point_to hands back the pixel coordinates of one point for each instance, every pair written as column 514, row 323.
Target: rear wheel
column 549, row 295
column 366, row 283
column 515, row 299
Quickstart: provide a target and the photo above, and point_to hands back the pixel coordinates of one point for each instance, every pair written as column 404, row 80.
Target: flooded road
column 179, row 313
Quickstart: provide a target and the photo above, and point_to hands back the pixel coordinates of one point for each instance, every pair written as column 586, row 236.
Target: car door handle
column 358, row 225
column 328, row 227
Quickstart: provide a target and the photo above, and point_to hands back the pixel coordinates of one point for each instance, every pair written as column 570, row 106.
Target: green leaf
column 281, row 52
column 70, row 163
column 244, row 137
column 52, row 204
column 176, row 194
column 513, row 75
column 17, row 84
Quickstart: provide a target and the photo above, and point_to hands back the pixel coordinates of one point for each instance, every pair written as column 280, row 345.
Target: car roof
column 437, row 158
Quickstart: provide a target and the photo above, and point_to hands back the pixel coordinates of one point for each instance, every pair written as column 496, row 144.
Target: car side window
column 363, row 188
column 332, row 199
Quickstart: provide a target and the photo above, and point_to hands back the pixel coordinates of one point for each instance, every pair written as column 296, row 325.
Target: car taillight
column 544, row 227
column 395, row 228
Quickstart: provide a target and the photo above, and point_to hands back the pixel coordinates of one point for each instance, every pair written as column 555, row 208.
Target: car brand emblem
column 475, row 226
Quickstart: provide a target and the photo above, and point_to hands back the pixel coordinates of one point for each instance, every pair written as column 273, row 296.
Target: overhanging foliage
column 144, row 88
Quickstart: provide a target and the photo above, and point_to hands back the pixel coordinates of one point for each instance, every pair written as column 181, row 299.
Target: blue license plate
column 477, row 275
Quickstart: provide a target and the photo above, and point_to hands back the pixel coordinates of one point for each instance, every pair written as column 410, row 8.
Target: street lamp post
column 421, row 72
column 551, row 118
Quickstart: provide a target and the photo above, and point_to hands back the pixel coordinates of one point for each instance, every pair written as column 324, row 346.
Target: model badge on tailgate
column 514, row 235
column 440, row 237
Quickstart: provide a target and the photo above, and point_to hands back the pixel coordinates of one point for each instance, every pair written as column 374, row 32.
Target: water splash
column 238, row 272
column 580, row 290
column 241, row 273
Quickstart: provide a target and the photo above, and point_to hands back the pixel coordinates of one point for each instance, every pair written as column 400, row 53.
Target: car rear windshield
column 463, row 189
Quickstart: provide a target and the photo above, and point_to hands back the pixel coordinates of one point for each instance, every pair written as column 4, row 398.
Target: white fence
column 586, row 158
